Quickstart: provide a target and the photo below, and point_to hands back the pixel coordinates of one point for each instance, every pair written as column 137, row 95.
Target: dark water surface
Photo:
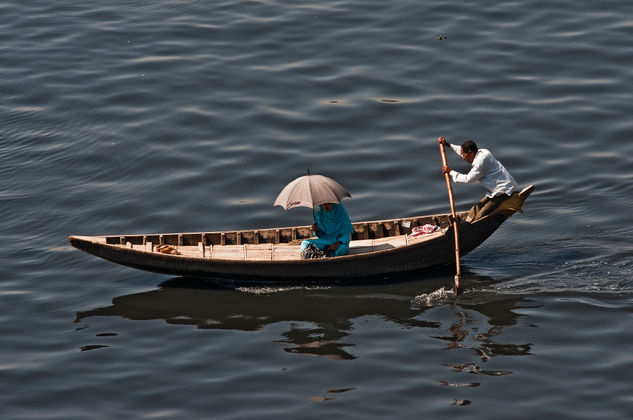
column 167, row 116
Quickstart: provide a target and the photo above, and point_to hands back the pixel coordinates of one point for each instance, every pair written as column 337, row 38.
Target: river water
column 170, row 116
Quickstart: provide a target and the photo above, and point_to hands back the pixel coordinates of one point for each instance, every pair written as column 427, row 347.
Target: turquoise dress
column 332, row 226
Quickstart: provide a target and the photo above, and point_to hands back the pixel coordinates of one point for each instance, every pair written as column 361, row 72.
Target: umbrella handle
column 313, row 219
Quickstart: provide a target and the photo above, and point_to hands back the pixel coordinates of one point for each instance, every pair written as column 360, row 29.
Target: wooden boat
column 377, row 248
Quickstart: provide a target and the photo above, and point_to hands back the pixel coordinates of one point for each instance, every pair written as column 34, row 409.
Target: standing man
column 487, row 170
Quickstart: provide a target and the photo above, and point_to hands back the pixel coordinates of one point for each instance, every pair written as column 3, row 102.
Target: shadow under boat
column 326, row 312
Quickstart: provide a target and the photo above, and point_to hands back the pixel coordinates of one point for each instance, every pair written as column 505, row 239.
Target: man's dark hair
column 469, row 146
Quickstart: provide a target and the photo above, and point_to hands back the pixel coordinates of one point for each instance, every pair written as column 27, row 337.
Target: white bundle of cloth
column 423, row 230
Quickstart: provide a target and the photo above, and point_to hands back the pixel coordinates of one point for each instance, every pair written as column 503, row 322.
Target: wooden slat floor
column 283, row 252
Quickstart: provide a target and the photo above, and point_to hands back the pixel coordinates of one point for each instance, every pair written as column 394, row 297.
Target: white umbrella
column 310, row 191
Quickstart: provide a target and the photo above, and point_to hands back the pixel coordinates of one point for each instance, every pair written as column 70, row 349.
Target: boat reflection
column 319, row 317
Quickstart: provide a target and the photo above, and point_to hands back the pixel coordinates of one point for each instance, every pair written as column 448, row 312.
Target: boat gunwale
column 418, row 241
column 442, row 220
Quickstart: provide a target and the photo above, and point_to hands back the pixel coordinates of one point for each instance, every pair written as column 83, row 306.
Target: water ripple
column 182, row 115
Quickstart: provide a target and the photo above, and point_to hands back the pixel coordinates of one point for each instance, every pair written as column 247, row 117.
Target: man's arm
column 456, row 149
column 473, row 175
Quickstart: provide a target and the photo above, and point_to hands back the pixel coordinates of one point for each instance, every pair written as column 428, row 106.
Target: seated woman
column 332, row 228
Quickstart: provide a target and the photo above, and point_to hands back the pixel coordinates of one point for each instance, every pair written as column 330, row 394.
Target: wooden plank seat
column 228, row 252
column 361, row 246
column 389, row 242
column 380, row 244
column 188, row 251
column 258, row 252
column 255, row 252
column 287, row 252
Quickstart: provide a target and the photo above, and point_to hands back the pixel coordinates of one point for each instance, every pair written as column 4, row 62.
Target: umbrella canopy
column 310, row 191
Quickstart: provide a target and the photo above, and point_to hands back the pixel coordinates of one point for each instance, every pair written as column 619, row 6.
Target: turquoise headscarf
column 334, row 225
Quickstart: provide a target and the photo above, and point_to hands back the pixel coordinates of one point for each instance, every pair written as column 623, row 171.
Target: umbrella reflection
column 322, row 341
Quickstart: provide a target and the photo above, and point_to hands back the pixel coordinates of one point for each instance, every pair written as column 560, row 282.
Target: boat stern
column 514, row 203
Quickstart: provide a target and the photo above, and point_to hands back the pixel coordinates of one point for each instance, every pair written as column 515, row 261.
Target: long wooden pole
column 450, row 197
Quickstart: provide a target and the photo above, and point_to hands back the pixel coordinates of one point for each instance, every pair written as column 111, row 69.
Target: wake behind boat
column 377, row 248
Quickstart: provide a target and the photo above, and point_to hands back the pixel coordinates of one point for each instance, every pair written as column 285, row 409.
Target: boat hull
column 434, row 252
